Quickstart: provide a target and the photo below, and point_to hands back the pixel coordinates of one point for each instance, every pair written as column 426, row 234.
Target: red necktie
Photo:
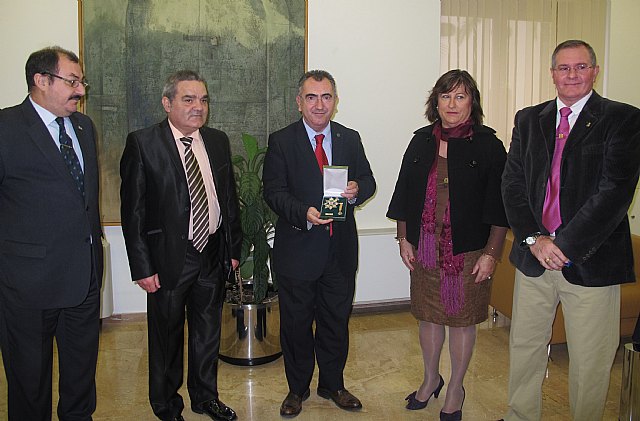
column 321, row 157
column 551, row 218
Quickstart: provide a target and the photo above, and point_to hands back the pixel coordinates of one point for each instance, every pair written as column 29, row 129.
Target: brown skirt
column 425, row 295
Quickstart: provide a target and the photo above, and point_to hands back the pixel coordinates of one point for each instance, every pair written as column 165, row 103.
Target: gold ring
column 548, row 259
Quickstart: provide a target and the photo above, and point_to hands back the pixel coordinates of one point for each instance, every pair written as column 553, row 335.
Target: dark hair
column 317, row 75
column 447, row 83
column 171, row 86
column 573, row 43
column 46, row 61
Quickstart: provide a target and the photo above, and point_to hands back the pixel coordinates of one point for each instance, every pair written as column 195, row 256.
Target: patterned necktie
column 198, row 194
column 551, row 218
column 69, row 156
column 321, row 157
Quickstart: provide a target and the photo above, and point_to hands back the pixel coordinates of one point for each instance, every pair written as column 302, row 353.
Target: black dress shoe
column 454, row 416
column 216, row 410
column 292, row 404
column 343, row 398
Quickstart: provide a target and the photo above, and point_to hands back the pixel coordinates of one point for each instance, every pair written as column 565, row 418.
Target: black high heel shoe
column 454, row 416
column 413, row 403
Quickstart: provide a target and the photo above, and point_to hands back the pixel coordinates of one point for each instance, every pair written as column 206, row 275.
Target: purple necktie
column 551, row 218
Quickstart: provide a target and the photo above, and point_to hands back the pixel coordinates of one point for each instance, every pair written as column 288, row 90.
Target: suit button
column 183, row 236
column 87, row 209
column 87, row 240
column 186, row 208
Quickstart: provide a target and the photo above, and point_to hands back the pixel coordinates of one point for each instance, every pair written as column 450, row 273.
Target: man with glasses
column 315, row 260
column 50, row 243
column 570, row 177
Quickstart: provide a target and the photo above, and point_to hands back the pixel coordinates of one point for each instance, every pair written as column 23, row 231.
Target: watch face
column 530, row 240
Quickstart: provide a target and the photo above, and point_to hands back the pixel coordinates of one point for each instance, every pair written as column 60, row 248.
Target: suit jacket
column 293, row 183
column 155, row 203
column 475, row 167
column 50, row 235
column 599, row 173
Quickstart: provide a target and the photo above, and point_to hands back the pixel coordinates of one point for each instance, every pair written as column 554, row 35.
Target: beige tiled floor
column 384, row 366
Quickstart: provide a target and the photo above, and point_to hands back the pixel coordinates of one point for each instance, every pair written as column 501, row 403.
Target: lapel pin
column 588, row 124
column 337, row 134
column 80, row 127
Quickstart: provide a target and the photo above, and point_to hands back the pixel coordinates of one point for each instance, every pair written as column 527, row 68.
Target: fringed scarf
column 451, row 267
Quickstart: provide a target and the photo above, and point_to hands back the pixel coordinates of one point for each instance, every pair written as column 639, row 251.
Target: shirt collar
column 577, row 107
column 312, row 133
column 46, row 116
column 177, row 134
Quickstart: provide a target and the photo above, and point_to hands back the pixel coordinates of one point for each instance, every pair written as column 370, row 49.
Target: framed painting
column 250, row 52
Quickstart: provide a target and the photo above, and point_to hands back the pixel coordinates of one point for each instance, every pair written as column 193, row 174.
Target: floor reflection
column 384, row 366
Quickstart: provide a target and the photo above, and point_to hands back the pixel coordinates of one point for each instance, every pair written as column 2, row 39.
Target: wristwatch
column 531, row 240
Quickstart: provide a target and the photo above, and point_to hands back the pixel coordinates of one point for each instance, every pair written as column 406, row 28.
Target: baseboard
column 382, row 306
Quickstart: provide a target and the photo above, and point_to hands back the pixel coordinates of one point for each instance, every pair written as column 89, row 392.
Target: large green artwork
column 251, row 52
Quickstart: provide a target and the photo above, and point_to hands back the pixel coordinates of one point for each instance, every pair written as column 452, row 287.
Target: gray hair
column 171, row 86
column 317, row 75
column 573, row 43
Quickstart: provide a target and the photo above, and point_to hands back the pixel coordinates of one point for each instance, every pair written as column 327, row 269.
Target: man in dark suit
column 50, row 240
column 566, row 198
column 179, row 218
column 314, row 259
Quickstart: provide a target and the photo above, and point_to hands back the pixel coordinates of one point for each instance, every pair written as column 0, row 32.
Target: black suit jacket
column 293, row 183
column 599, row 173
column 155, row 204
column 50, row 235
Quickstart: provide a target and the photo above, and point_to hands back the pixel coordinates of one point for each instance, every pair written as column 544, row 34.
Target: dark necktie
column 321, row 157
column 198, row 195
column 69, row 156
column 551, row 218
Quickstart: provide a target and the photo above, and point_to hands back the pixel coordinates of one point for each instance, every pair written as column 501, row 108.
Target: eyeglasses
column 579, row 68
column 313, row 98
column 74, row 83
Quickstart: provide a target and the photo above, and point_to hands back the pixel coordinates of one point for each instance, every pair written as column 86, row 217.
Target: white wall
column 26, row 27
column 385, row 57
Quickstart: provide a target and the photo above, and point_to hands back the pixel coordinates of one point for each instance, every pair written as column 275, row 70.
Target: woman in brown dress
column 450, row 228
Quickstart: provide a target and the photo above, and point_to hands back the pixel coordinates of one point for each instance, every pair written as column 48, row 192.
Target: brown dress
column 425, row 283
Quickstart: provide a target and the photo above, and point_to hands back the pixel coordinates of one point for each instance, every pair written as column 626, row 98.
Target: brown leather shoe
column 343, row 398
column 292, row 404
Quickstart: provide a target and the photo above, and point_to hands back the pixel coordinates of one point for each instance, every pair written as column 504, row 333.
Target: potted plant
column 251, row 316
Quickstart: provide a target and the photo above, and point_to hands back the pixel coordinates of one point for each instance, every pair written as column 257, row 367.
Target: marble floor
column 384, row 366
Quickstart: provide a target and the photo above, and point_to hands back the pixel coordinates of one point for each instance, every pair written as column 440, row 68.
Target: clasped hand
column 548, row 254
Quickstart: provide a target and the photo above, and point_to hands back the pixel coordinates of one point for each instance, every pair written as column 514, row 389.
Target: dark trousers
column 200, row 290
column 327, row 300
column 26, row 340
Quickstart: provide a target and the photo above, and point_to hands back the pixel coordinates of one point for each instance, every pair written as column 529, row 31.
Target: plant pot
column 250, row 333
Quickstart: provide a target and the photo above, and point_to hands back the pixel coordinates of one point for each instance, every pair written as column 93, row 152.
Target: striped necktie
column 69, row 156
column 198, row 194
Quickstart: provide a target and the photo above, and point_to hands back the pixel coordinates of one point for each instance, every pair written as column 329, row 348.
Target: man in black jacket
column 314, row 259
column 50, row 242
column 570, row 176
column 179, row 212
